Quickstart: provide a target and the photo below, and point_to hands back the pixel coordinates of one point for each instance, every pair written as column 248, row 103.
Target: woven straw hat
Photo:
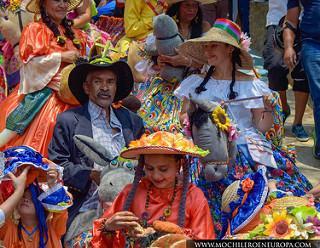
column 64, row 92
column 224, row 31
column 230, row 195
column 34, row 5
column 170, row 2
column 290, row 201
column 162, row 143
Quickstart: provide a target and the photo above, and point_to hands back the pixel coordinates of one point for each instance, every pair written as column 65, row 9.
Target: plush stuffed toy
column 114, row 177
column 167, row 39
column 209, row 124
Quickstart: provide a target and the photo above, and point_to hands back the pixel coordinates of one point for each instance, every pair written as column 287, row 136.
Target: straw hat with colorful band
column 170, row 2
column 224, row 31
column 162, row 143
column 18, row 157
column 242, row 201
column 56, row 199
column 34, row 5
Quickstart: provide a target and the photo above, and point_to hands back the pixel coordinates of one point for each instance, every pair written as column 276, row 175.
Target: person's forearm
column 288, row 38
column 293, row 19
column 8, row 206
column 82, row 20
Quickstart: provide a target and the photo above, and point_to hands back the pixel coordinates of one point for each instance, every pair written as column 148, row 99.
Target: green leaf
column 258, row 231
column 303, row 212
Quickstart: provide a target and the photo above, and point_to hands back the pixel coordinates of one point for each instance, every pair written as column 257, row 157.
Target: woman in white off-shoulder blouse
column 225, row 52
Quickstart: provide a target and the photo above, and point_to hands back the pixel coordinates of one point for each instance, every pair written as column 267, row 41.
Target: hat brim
column 34, row 5
column 134, row 153
column 121, row 69
column 194, row 48
column 254, row 202
column 170, row 2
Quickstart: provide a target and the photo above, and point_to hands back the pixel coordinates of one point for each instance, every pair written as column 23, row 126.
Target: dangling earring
column 197, row 19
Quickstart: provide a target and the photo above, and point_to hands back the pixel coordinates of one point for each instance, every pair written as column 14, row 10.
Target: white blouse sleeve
column 252, row 89
column 38, row 71
column 188, row 86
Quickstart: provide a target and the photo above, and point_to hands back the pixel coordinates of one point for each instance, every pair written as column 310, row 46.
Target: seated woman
column 46, row 46
column 160, row 194
column 248, row 105
column 188, row 16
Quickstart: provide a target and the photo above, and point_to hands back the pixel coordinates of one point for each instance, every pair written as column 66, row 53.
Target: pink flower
column 245, row 41
column 187, row 127
column 233, row 133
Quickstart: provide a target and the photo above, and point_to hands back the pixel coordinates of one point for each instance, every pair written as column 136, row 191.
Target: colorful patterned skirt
column 160, row 108
column 287, row 176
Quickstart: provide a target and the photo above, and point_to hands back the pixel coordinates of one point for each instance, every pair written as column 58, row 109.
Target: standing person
column 46, row 47
column 96, row 85
column 278, row 71
column 244, row 14
column 157, row 193
column 310, row 53
column 223, row 50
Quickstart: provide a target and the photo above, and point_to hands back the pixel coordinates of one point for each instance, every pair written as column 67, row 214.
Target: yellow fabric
column 138, row 18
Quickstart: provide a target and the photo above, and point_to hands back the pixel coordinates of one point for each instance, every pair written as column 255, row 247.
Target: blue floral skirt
column 287, row 176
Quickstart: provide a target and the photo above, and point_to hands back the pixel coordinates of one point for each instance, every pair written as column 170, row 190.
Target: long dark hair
column 196, row 23
column 235, row 59
column 53, row 27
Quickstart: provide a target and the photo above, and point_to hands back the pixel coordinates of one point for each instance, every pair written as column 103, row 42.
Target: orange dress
column 38, row 41
column 197, row 213
column 56, row 228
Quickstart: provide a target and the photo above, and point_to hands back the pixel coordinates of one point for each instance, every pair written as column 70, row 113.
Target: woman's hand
column 290, row 57
column 70, row 56
column 176, row 60
column 122, row 220
column 52, row 177
column 20, row 181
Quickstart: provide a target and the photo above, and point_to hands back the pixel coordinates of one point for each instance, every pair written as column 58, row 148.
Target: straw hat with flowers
column 162, row 143
column 224, row 31
column 34, row 5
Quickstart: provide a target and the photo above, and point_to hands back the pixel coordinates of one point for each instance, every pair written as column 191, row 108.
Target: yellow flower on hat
column 221, row 119
column 279, row 226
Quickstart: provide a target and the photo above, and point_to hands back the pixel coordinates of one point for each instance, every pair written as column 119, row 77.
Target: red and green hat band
column 229, row 26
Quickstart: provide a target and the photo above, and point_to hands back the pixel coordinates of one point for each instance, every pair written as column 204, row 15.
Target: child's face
column 26, row 206
column 161, row 170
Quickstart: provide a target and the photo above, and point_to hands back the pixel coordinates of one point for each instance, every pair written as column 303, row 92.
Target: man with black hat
column 96, row 85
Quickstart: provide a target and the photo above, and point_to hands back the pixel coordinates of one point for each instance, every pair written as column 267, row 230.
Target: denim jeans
column 311, row 62
column 244, row 12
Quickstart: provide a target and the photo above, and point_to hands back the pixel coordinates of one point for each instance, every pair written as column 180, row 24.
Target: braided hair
column 41, row 216
column 137, row 177
column 53, row 27
column 196, row 23
column 182, row 206
column 235, row 59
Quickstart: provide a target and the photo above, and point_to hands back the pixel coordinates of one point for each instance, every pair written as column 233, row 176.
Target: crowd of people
column 144, row 123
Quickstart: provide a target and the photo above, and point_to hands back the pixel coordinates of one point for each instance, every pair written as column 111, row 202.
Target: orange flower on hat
column 247, row 185
column 279, row 226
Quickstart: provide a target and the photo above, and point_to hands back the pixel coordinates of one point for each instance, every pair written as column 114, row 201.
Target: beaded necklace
column 166, row 212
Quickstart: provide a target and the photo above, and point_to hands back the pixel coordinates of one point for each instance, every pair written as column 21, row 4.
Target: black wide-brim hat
column 78, row 76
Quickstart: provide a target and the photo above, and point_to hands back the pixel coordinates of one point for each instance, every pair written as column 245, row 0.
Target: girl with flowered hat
column 249, row 104
column 157, row 193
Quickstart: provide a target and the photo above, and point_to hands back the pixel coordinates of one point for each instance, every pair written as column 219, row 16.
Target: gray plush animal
column 207, row 136
column 113, row 179
column 167, row 40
